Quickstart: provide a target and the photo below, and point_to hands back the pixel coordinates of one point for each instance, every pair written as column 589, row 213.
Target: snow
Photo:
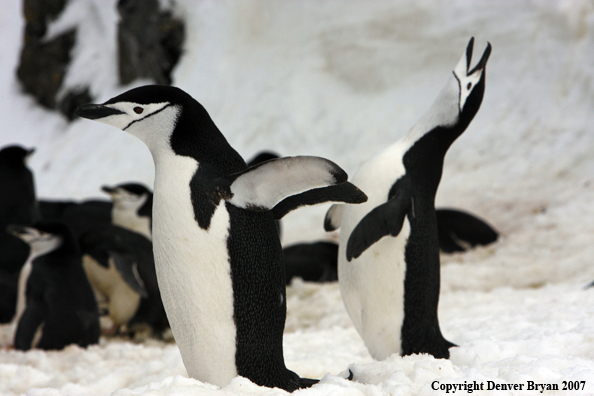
column 342, row 80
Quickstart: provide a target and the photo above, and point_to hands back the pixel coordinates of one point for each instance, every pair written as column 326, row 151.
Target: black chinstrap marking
column 147, row 116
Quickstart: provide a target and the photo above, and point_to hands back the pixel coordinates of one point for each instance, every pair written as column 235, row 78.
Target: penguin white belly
column 122, row 300
column 194, row 275
column 21, row 291
column 372, row 285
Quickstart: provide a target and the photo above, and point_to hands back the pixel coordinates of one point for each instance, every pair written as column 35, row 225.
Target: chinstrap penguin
column 59, row 302
column 130, row 255
column 459, row 231
column 217, row 252
column 389, row 268
column 132, row 207
column 18, row 205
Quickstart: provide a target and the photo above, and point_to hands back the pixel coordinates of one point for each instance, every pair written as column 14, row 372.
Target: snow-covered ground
column 342, row 80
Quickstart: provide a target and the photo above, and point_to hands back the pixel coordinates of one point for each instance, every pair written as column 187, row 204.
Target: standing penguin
column 132, row 207
column 217, row 252
column 59, row 301
column 389, row 247
column 18, row 205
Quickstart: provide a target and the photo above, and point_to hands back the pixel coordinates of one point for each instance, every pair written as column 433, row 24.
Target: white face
column 466, row 82
column 126, row 200
column 152, row 123
column 40, row 242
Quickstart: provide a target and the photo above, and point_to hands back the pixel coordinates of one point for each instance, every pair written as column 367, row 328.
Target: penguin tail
column 307, row 382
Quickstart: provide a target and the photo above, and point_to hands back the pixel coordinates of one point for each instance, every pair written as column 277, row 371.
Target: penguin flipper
column 344, row 192
column 262, row 186
column 385, row 219
column 333, row 218
column 128, row 269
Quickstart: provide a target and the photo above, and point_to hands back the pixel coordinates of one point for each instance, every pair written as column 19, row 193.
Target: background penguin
column 312, row 262
column 217, row 252
column 459, row 231
column 80, row 216
column 389, row 249
column 132, row 207
column 131, row 255
column 18, row 205
column 59, row 301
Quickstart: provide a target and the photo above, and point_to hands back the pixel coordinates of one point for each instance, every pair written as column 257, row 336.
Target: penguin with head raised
column 218, row 256
column 132, row 207
column 59, row 301
column 388, row 265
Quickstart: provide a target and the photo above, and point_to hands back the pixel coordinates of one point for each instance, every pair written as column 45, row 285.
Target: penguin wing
column 128, row 269
column 344, row 192
column 386, row 219
column 333, row 218
column 303, row 179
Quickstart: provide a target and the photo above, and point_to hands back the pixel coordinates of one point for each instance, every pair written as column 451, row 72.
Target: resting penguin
column 388, row 263
column 132, row 207
column 217, row 252
column 128, row 256
column 59, row 302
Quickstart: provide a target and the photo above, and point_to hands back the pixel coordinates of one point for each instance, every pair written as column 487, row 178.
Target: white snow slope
column 342, row 79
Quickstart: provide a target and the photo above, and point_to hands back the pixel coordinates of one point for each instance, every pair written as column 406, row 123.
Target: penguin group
column 201, row 253
column 66, row 267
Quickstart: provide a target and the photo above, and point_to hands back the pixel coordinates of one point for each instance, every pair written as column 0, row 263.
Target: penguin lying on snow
column 59, row 301
column 218, row 256
column 459, row 231
column 132, row 207
column 312, row 262
column 389, row 248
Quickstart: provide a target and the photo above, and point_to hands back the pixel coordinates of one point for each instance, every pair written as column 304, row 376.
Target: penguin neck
column 424, row 160
column 196, row 136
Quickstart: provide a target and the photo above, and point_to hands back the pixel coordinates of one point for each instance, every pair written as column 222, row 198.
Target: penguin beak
column 463, row 66
column 19, row 231
column 109, row 190
column 95, row 111
column 483, row 62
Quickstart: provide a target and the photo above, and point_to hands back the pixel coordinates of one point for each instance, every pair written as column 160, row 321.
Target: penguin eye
column 138, row 110
column 469, row 86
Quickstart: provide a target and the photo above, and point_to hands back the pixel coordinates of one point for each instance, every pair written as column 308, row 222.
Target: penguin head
column 470, row 83
column 41, row 242
column 47, row 236
column 166, row 119
column 15, row 156
column 128, row 196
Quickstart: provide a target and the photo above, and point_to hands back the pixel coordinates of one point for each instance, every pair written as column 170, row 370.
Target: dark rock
column 72, row 100
column 149, row 41
column 43, row 66
column 150, row 45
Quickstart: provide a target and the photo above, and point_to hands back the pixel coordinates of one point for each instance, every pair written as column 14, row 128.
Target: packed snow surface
column 343, row 80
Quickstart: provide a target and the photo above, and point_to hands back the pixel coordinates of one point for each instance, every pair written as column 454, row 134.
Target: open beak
column 483, row 62
column 95, row 111
column 463, row 66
